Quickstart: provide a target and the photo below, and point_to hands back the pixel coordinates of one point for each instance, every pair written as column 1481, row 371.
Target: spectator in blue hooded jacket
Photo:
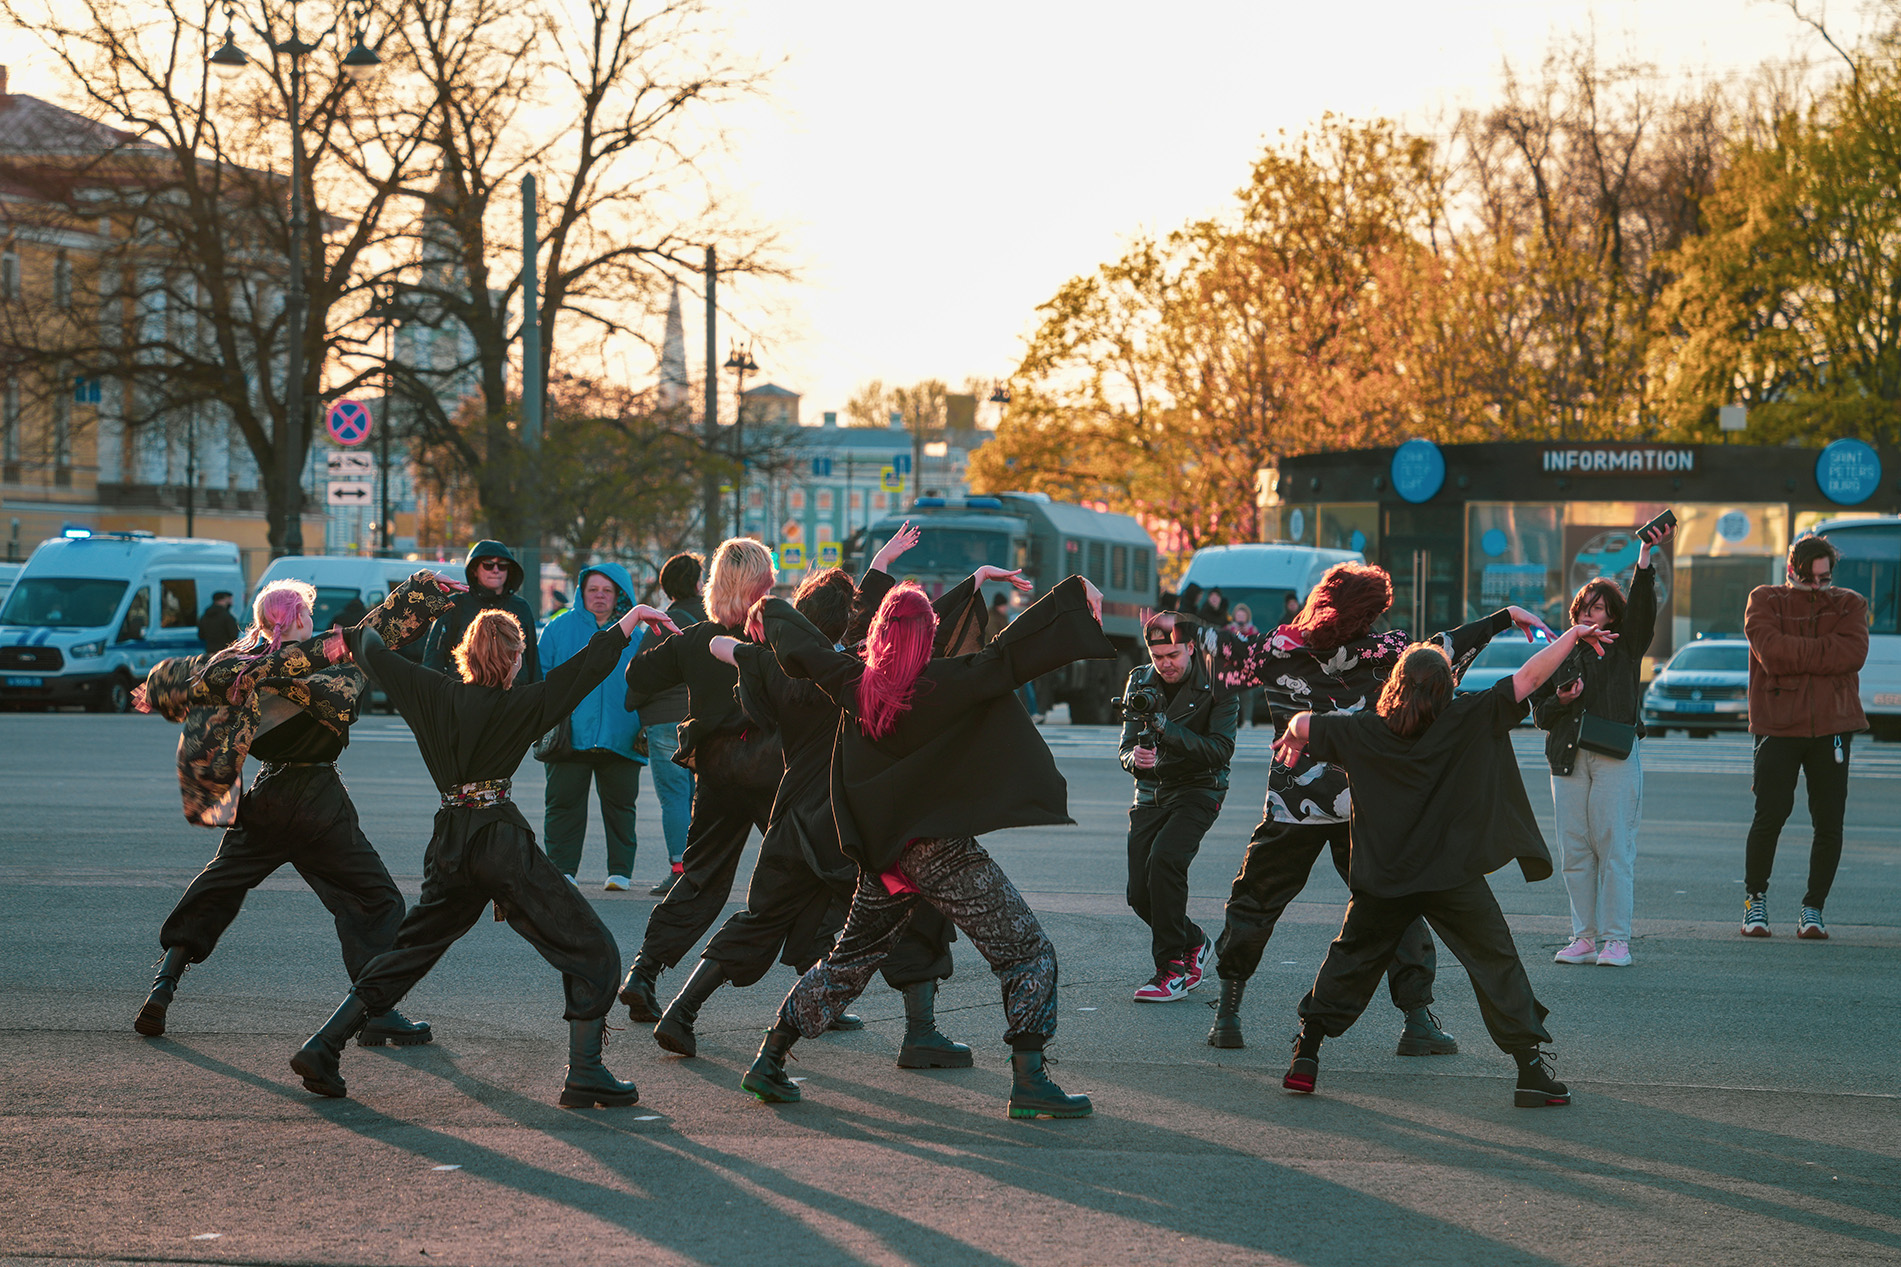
column 604, row 735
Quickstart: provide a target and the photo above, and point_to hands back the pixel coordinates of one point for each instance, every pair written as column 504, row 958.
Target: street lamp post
column 360, row 64
column 740, row 362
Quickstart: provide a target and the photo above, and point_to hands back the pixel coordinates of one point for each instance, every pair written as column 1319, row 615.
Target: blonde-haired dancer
column 473, row 735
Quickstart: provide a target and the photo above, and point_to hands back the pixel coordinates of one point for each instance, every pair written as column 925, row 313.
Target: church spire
column 673, row 384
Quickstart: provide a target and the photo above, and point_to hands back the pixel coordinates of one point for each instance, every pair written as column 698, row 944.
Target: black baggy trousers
column 301, row 815
column 1163, row 841
column 1823, row 760
column 1473, row 928
column 1275, row 869
column 724, row 815
column 501, row 863
column 795, row 914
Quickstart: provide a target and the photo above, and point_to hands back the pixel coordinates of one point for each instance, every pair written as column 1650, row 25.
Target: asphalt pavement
column 1736, row 1101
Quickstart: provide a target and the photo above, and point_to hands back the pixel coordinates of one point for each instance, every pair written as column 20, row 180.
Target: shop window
column 822, row 499
column 177, row 604
column 1350, row 526
column 795, row 500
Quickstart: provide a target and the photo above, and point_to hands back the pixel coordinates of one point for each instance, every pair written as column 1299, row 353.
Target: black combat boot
column 1226, row 1032
column 394, row 1028
column 151, row 1018
column 637, row 990
column 675, row 1030
column 767, row 1077
column 1033, row 1094
column 317, row 1061
column 1536, row 1087
column 846, row 1023
column 924, row 1047
column 1304, row 1070
column 589, row 1083
column 1423, row 1037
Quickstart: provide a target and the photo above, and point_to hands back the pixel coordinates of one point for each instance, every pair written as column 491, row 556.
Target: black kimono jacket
column 1441, row 808
column 965, row 759
column 469, row 734
column 712, row 709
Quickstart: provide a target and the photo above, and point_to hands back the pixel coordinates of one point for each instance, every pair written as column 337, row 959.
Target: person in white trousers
column 1599, row 798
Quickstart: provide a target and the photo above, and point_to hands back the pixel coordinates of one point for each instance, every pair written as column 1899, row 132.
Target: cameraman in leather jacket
column 1177, row 740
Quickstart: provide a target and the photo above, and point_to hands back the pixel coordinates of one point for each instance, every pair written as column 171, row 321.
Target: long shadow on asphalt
column 931, row 1134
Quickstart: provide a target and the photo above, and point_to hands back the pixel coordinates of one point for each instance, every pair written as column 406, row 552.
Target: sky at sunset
column 938, row 171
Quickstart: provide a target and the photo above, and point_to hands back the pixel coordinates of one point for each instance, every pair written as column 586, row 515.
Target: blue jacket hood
column 613, row 572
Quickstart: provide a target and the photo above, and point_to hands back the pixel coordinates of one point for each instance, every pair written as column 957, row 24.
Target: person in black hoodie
column 931, row 753
column 473, row 734
column 495, row 579
column 660, row 719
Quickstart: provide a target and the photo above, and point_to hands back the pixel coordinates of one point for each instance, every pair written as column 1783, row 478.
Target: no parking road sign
column 349, row 422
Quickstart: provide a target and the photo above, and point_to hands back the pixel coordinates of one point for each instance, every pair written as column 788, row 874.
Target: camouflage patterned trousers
column 961, row 880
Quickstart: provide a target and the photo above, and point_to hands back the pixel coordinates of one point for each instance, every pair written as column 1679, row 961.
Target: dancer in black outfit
column 736, row 768
column 1438, row 804
column 473, row 735
column 277, row 696
column 932, row 753
column 803, row 882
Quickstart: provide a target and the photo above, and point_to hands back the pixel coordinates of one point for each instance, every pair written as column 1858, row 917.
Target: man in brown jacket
column 1807, row 642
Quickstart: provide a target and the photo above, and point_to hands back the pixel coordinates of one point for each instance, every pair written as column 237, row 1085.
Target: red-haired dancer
column 473, row 733
column 931, row 754
column 1326, row 660
column 1438, row 804
column 280, row 695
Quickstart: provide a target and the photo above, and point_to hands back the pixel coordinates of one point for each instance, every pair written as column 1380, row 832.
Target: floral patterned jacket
column 216, row 697
column 1344, row 680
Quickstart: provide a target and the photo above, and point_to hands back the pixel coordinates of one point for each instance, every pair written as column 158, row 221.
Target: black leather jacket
column 1196, row 744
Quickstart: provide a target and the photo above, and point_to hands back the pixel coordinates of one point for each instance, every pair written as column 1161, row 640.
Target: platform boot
column 1423, row 1037
column 394, row 1028
column 318, row 1062
column 767, row 1078
column 1304, row 1070
column 924, row 1047
column 1226, row 1032
column 589, row 1083
column 1537, row 1089
column 151, row 1018
column 637, row 990
column 675, row 1030
column 1034, row 1094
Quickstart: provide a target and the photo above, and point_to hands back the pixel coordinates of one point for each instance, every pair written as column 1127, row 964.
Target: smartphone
column 1668, row 519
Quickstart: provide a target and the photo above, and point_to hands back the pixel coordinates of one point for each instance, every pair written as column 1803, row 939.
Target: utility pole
column 710, row 509
column 531, row 380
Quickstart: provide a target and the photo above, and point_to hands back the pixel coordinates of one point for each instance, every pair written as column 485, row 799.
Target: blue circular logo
column 1848, row 472
column 1494, row 542
column 1419, row 470
column 1357, row 541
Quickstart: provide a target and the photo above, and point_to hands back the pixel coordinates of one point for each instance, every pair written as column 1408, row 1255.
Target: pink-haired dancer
column 930, row 755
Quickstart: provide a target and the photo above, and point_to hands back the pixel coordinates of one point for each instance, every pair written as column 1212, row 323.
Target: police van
column 91, row 613
column 1263, row 576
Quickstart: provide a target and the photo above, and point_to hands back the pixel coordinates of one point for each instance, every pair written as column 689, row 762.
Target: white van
column 1263, row 576
column 91, row 613
column 340, row 579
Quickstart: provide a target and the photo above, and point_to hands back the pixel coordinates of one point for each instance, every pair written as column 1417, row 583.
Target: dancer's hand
column 1656, row 538
column 991, row 572
column 1530, row 624
column 1292, row 741
column 1569, row 692
column 1598, row 640
column 652, row 617
column 723, row 648
column 1094, row 595
column 903, row 540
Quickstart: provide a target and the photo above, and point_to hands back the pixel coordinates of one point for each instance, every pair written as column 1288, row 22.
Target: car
column 1503, row 656
column 1702, row 689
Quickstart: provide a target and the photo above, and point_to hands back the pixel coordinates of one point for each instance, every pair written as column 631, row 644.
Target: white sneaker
column 1582, row 950
column 617, row 884
column 1616, row 954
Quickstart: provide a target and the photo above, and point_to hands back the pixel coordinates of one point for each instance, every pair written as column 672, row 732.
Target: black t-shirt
column 302, row 738
column 1437, row 810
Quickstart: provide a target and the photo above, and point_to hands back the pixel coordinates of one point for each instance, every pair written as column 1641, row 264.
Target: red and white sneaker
column 1194, row 965
column 1167, row 985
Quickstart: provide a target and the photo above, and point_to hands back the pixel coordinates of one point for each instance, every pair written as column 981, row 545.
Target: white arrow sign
column 347, row 463
column 342, row 494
